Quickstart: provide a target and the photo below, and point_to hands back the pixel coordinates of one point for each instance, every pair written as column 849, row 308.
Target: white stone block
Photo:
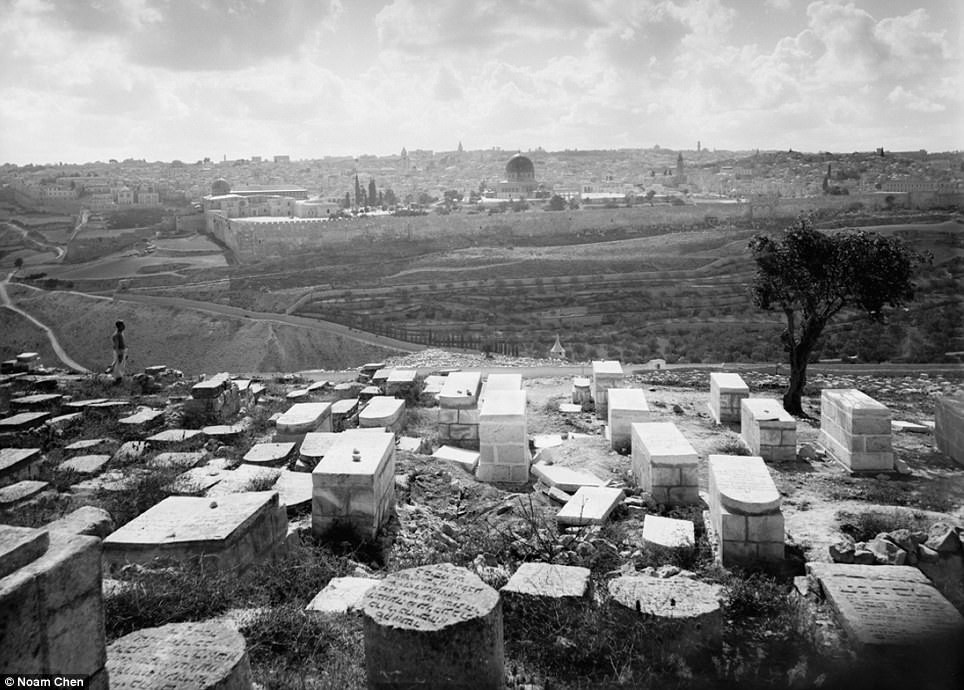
column 626, row 406
column 590, row 505
column 668, row 533
column 564, row 478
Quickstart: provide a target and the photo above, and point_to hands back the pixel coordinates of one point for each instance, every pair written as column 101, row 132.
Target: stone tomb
column 664, row 463
column 581, row 392
column 175, row 439
column 458, row 415
column 548, row 580
column 84, row 464
column 726, row 393
column 354, row 484
column 204, row 655
column 23, row 421
column 344, row 413
column 383, row 412
column 217, row 399
column 145, row 418
column 685, row 613
column 627, row 406
column 606, row 374
column 468, row 459
column 949, row 427
column 503, row 438
column 668, row 533
column 744, row 510
column 269, row 453
column 767, row 429
column 401, row 382
column 19, row 463
column 500, row 382
column 230, row 532
column 21, row 492
column 51, row 606
column 590, row 505
column 564, row 478
column 883, row 607
column 855, row 430
column 302, row 418
column 341, row 595
column 433, row 626
column 38, row 402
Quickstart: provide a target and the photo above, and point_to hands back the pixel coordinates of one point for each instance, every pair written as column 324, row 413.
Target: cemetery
column 433, row 520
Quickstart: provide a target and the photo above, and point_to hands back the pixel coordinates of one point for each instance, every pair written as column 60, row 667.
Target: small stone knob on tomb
column 356, row 455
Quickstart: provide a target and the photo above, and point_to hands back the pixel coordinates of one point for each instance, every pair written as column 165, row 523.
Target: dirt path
column 54, row 343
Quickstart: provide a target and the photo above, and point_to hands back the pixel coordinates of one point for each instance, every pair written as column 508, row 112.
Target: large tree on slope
column 811, row 276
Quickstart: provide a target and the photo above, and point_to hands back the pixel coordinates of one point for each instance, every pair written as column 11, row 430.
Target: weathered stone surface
column 86, row 444
column 315, row 445
column 726, row 392
column 383, row 412
column 548, row 580
column 767, row 429
column 354, row 484
column 341, row 595
column 210, row 387
column 590, row 505
column 664, row 463
column 301, row 418
column 855, row 429
column 172, row 438
column 668, row 533
column 627, row 406
column 228, row 532
column 606, row 374
column 226, row 431
column 82, row 405
column 19, row 463
column 743, row 484
column 503, row 438
column 461, row 390
column 37, row 402
column 468, row 459
column 130, row 451
column 564, row 478
column 86, row 520
column 144, row 418
column 21, row 491
column 20, row 546
column 208, row 655
column 949, row 426
column 23, row 421
column 269, row 453
column 184, row 460
column 437, row 626
column 84, row 464
column 246, row 478
column 888, row 606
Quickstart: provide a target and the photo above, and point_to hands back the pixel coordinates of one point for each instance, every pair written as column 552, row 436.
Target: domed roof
column 520, row 167
column 220, row 187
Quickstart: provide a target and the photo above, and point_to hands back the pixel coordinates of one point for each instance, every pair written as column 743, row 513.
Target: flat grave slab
column 295, row 489
column 461, row 390
column 175, row 437
column 36, row 402
column 82, row 405
column 63, row 421
column 303, row 417
column 675, row 597
column 910, row 427
column 180, row 655
column 548, row 580
column 84, row 464
column 269, row 453
column 564, row 478
column 131, row 450
column 20, row 546
column 541, row 441
column 409, row 444
column 23, row 421
column 298, row 395
column 570, row 408
column 200, row 479
column 13, row 461
column 345, row 406
column 225, row 431
column 144, row 417
column 743, row 484
column 468, row 459
column 242, row 478
column 86, row 444
column 668, row 533
column 383, row 412
column 341, row 595
column 210, row 387
column 21, row 491
column 109, row 407
column 316, row 444
column 590, row 505
column 884, row 612
column 318, row 386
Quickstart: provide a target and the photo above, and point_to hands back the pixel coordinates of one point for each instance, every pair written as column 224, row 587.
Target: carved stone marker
column 895, row 608
column 227, row 532
column 768, row 430
column 605, row 375
column 744, row 510
column 269, row 453
column 664, row 463
column 627, row 406
column 668, row 533
column 726, row 392
column 855, row 430
column 180, row 655
column 548, row 580
column 354, row 484
column 686, row 612
column 458, row 415
column 433, row 626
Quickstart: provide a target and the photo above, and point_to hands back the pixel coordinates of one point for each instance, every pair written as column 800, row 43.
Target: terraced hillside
column 679, row 294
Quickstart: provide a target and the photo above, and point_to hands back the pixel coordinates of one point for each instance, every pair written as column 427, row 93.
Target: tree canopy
column 811, row 276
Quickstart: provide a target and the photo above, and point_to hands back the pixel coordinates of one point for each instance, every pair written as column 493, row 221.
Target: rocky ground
column 443, row 514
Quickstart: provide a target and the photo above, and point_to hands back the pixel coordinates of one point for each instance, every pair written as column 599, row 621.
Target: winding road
column 54, row 343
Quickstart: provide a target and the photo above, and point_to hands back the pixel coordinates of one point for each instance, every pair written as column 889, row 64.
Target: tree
column 18, row 263
column 811, row 276
column 557, row 203
column 650, row 195
column 372, row 195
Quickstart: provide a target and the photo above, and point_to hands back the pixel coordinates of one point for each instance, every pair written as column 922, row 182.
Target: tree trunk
column 792, row 402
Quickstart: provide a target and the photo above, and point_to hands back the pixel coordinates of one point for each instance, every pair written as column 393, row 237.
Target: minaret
column 679, row 166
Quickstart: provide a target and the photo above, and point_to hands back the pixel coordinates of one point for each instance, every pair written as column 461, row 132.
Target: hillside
column 187, row 340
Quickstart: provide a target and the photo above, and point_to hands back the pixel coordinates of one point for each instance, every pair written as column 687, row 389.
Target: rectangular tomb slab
column 742, row 484
column 855, row 429
column 606, row 374
column 564, row 478
column 468, row 459
column 949, row 427
column 383, row 412
column 886, row 613
column 315, row 445
column 726, row 392
column 664, row 463
column 590, row 505
column 143, row 418
column 768, row 430
column 269, row 453
column 232, row 531
column 19, row 463
column 23, row 421
column 668, row 533
column 301, row 418
column 340, row 595
column 461, row 390
column 548, row 580
column 20, row 546
column 503, row 438
column 354, row 484
column 627, row 406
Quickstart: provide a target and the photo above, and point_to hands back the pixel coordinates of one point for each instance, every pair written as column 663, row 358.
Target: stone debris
column 341, row 595
column 467, row 459
column 548, row 580
column 590, row 505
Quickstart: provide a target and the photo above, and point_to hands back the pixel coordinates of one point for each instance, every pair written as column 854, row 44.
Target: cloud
column 778, row 4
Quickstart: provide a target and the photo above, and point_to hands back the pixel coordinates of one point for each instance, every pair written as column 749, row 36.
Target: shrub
column 731, row 444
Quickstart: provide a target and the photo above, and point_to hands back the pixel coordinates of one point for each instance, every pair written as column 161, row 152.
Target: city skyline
column 95, row 80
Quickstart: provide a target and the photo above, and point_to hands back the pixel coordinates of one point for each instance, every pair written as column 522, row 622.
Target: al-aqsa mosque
column 520, row 179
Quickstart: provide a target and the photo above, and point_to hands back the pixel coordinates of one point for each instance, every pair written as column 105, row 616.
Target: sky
column 86, row 80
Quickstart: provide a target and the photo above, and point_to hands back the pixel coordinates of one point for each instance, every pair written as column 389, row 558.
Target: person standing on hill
column 120, row 352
